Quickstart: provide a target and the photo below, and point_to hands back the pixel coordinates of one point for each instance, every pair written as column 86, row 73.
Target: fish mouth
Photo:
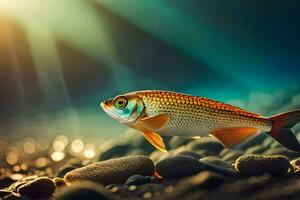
column 104, row 106
column 109, row 111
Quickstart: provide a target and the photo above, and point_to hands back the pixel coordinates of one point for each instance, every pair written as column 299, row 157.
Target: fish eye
column 120, row 102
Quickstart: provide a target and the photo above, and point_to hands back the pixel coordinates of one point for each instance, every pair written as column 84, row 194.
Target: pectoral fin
column 231, row 137
column 155, row 140
column 154, row 123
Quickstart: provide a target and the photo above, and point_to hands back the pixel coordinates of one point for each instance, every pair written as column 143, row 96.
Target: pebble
column 206, row 143
column 115, row 151
column 138, row 141
column 203, row 180
column 156, row 155
column 176, row 142
column 213, row 160
column 257, row 149
column 178, row 167
column 282, row 151
column 65, row 169
column 257, row 140
column 4, row 193
column 295, row 166
column 83, row 191
column 147, row 195
column 251, row 164
column 268, row 142
column 136, row 152
column 111, row 171
column 76, row 162
column 138, row 180
column 232, row 155
column 39, row 188
column 215, row 164
column 6, row 181
column 15, row 197
column 59, row 182
column 188, row 153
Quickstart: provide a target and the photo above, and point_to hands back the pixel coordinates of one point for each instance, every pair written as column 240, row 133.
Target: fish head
column 124, row 108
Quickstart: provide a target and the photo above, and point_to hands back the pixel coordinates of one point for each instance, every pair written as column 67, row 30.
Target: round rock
column 189, row 153
column 138, row 180
column 111, row 171
column 65, row 169
column 115, row 151
column 260, row 164
column 206, row 143
column 59, row 182
column 39, row 188
column 178, row 167
column 4, row 192
column 176, row 142
column 215, row 164
column 83, row 191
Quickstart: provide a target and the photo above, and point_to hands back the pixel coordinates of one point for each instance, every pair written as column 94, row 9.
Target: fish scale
column 194, row 116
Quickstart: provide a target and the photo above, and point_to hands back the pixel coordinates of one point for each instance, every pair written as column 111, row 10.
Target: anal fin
column 231, row 137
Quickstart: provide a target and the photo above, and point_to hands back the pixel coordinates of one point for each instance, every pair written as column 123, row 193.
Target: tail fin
column 281, row 129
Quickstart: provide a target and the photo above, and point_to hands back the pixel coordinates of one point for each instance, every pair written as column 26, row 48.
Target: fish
column 157, row 113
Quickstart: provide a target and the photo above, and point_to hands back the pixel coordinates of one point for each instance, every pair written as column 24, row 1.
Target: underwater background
column 60, row 59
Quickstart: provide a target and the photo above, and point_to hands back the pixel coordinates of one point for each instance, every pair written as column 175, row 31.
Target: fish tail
column 281, row 129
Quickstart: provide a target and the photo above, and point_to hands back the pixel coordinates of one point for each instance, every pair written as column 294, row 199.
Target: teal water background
column 59, row 59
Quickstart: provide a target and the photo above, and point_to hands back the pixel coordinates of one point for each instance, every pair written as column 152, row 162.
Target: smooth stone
column 65, row 169
column 178, row 167
column 15, row 186
column 138, row 180
column 206, row 179
column 138, row 141
column 295, row 166
column 206, row 143
column 188, row 153
column 213, row 160
column 215, row 164
column 137, row 152
column 296, row 162
column 59, row 182
column 283, row 151
column 156, row 155
column 39, row 188
column 76, row 162
column 4, row 193
column 83, row 191
column 275, row 144
column 251, row 164
column 116, row 170
column 14, row 197
column 224, row 152
column 6, row 181
column 232, row 156
column 185, row 188
column 176, row 142
column 268, row 142
column 115, row 151
column 257, row 140
column 257, row 149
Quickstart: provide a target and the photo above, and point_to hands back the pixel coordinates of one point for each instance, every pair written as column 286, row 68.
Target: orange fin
column 155, row 140
column 231, row 137
column 281, row 129
column 154, row 123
